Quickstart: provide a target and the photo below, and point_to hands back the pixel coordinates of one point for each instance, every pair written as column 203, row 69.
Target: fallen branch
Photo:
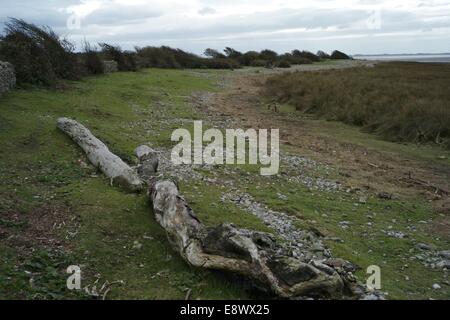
column 255, row 255
column 424, row 184
column 100, row 156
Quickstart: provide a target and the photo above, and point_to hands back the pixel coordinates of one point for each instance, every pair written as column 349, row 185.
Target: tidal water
column 443, row 58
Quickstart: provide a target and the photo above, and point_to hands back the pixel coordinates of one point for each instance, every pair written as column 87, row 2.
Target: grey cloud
column 280, row 28
column 206, row 10
column 38, row 12
column 121, row 14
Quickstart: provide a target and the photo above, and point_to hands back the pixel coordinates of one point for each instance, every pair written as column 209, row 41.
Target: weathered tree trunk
column 252, row 254
column 100, row 156
column 255, row 255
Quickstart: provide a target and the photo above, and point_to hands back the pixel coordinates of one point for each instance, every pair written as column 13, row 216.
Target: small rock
column 397, row 234
column 282, row 197
column 317, row 247
column 344, row 224
column 443, row 264
column 444, row 254
column 372, row 297
column 424, row 246
column 137, row 245
column 385, row 195
column 436, row 286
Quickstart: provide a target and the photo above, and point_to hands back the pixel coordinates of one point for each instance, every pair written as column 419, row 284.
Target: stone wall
column 7, row 76
column 110, row 66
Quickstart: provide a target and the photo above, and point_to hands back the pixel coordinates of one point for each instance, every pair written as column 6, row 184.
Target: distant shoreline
column 401, row 54
column 421, row 57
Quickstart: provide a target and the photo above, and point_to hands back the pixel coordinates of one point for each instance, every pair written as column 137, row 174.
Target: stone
column 110, row 66
column 137, row 245
column 282, row 197
column 372, row 297
column 7, row 77
column 444, row 254
column 397, row 234
column 424, row 246
column 436, row 286
column 444, row 264
column 385, row 195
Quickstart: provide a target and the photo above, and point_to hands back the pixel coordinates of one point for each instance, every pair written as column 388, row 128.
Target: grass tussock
column 399, row 101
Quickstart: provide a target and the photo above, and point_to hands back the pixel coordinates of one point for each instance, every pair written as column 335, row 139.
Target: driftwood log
column 255, row 255
column 100, row 156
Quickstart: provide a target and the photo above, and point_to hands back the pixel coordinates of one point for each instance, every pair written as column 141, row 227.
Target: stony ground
column 368, row 201
column 391, row 198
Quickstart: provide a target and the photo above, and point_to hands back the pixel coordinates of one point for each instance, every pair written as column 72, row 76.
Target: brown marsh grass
column 400, row 101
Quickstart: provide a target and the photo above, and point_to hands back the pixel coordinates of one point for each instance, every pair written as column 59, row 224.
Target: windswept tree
column 231, row 53
column 268, row 55
column 248, row 58
column 125, row 59
column 213, row 53
column 38, row 54
column 322, row 55
column 338, row 55
column 92, row 61
column 305, row 55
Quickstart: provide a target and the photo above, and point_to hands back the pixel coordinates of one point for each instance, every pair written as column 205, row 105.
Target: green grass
column 39, row 167
column 362, row 244
column 41, row 172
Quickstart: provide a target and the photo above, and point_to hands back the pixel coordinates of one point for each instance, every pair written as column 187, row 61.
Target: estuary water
column 443, row 58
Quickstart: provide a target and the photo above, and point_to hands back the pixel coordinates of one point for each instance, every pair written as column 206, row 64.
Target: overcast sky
column 353, row 26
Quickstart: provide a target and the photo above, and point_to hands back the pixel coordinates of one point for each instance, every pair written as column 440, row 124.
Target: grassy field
column 399, row 101
column 56, row 210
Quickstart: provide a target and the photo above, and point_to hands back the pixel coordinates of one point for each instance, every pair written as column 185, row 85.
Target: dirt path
column 379, row 172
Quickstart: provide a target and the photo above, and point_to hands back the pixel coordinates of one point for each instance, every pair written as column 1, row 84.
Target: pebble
column 137, row 245
column 436, row 286
column 444, row 254
column 423, row 246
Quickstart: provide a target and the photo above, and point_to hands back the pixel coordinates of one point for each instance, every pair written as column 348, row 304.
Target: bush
column 92, row 60
column 166, row 57
column 125, row 59
column 248, row 58
column 163, row 57
column 221, row 64
column 338, row 55
column 37, row 53
column 323, row 55
column 268, row 55
column 259, row 63
column 305, row 56
column 283, row 64
column 213, row 53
